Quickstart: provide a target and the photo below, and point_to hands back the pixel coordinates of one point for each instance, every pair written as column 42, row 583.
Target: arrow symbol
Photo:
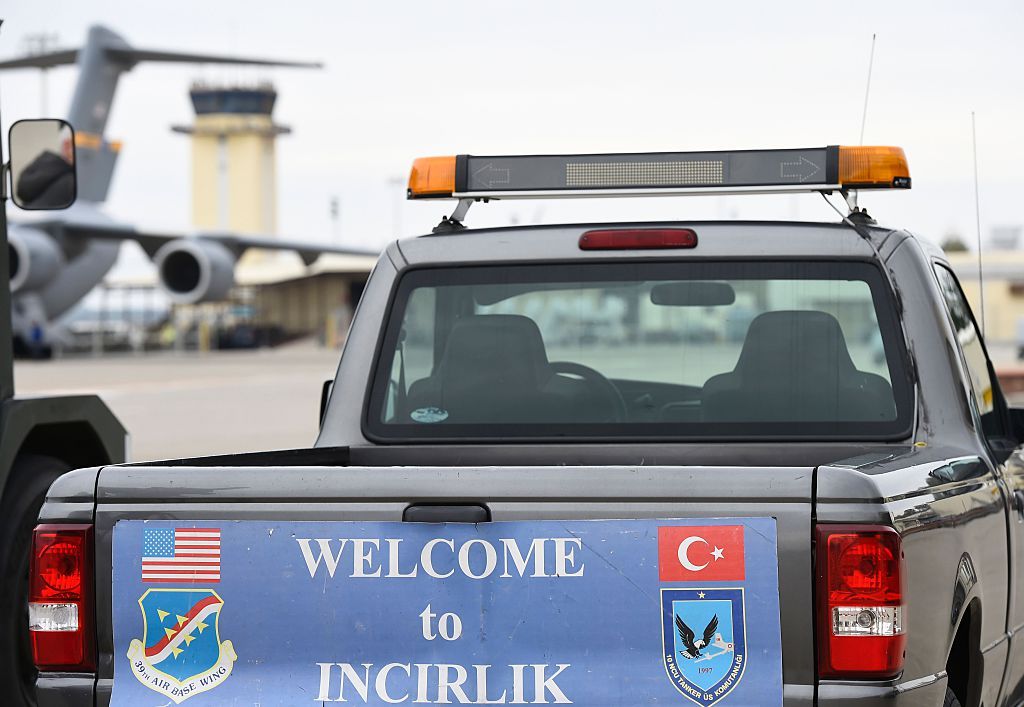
column 489, row 175
column 801, row 170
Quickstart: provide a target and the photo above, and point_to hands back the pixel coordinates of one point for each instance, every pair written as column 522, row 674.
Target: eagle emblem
column 687, row 636
column 704, row 667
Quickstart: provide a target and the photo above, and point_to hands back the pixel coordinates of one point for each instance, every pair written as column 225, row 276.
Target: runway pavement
column 190, row 404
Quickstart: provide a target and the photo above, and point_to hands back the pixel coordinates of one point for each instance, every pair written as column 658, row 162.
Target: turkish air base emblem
column 180, row 653
column 704, row 640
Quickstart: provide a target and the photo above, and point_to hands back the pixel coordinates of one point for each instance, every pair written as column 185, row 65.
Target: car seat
column 492, row 370
column 795, row 366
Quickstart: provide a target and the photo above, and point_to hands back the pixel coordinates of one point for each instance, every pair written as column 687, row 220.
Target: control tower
column 233, row 158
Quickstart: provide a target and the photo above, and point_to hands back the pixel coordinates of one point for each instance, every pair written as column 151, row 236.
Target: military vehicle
column 40, row 437
column 507, row 505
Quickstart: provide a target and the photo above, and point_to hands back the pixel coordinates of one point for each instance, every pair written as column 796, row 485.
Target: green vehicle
column 40, row 437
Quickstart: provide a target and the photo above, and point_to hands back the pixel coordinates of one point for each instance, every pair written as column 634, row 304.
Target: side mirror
column 325, row 395
column 42, row 164
column 1017, row 424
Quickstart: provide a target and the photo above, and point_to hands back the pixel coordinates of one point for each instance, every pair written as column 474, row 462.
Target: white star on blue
column 158, row 543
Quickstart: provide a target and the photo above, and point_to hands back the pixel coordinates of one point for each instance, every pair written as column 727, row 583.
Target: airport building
column 1003, row 276
column 234, row 159
column 234, row 188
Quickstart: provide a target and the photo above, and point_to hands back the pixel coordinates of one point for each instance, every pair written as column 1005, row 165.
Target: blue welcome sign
column 607, row 612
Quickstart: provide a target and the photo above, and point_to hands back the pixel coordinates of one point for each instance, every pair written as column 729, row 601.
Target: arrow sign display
column 489, row 176
column 802, row 170
column 748, row 170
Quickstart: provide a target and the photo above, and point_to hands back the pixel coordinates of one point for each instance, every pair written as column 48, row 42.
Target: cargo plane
column 57, row 261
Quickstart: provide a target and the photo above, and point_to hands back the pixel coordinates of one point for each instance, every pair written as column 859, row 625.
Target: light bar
column 813, row 169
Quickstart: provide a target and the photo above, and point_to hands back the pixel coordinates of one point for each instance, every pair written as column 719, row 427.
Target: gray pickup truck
column 737, row 463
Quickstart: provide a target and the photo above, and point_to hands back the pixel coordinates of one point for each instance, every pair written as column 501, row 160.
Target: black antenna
column 867, row 89
column 851, row 195
column 977, row 223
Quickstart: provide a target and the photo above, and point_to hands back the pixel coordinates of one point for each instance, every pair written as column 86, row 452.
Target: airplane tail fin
column 101, row 61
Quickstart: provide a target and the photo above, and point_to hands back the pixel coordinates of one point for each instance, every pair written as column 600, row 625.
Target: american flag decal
column 183, row 555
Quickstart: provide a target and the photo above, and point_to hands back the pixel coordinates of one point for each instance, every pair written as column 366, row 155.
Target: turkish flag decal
column 700, row 553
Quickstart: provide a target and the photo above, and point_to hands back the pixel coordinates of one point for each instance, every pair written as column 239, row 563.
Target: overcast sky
column 405, row 79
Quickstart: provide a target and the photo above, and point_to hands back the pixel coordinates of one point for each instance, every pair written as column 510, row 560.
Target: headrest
column 807, row 341
column 490, row 346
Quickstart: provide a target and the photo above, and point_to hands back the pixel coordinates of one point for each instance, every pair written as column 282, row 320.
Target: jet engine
column 35, row 259
column 194, row 270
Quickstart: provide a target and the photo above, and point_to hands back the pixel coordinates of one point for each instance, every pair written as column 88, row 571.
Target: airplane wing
column 237, row 243
column 73, row 254
column 130, row 56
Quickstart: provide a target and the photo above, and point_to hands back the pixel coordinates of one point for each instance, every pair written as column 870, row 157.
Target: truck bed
column 273, row 492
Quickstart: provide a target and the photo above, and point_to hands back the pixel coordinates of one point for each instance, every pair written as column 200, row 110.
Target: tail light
column 638, row 238
column 862, row 618
column 60, row 608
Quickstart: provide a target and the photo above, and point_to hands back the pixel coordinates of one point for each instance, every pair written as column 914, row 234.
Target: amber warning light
column 821, row 169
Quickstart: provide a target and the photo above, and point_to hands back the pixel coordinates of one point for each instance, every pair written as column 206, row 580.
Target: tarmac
column 191, row 404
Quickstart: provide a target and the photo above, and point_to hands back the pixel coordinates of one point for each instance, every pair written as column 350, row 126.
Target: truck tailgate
column 278, row 497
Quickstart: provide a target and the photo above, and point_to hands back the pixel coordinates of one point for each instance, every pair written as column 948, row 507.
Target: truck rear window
column 636, row 350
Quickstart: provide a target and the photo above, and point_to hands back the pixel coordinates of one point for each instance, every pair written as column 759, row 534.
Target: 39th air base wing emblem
column 704, row 639
column 180, row 653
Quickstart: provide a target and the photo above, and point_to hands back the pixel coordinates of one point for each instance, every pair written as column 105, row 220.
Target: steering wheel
column 589, row 375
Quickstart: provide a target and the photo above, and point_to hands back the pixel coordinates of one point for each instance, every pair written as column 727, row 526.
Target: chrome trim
column 927, row 680
column 644, row 191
